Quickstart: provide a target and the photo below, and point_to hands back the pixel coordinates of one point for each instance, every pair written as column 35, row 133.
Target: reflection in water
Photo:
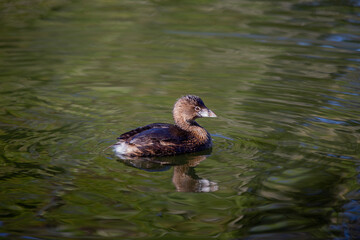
column 186, row 180
column 184, row 177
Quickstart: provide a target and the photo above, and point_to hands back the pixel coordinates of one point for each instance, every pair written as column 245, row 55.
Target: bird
column 163, row 139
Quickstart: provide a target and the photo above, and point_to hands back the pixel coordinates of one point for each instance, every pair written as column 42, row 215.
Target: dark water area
column 282, row 76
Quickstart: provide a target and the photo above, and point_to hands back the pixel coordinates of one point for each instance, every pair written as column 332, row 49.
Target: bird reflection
column 184, row 177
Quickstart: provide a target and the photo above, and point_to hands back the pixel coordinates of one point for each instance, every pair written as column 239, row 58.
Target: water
column 283, row 77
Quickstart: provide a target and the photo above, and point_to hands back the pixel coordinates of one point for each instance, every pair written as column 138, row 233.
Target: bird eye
column 197, row 108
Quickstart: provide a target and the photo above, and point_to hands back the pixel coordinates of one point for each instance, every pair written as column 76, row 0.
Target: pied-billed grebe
column 163, row 139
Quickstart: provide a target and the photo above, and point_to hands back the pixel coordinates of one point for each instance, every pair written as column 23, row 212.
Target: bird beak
column 207, row 113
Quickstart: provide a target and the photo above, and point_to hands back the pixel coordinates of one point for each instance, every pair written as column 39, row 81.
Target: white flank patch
column 121, row 148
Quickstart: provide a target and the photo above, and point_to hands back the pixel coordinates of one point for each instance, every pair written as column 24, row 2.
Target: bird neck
column 193, row 128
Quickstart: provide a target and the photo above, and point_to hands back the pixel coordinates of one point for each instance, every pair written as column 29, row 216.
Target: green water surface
column 282, row 76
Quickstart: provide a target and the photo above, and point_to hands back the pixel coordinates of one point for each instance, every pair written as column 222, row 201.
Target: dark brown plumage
column 162, row 139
